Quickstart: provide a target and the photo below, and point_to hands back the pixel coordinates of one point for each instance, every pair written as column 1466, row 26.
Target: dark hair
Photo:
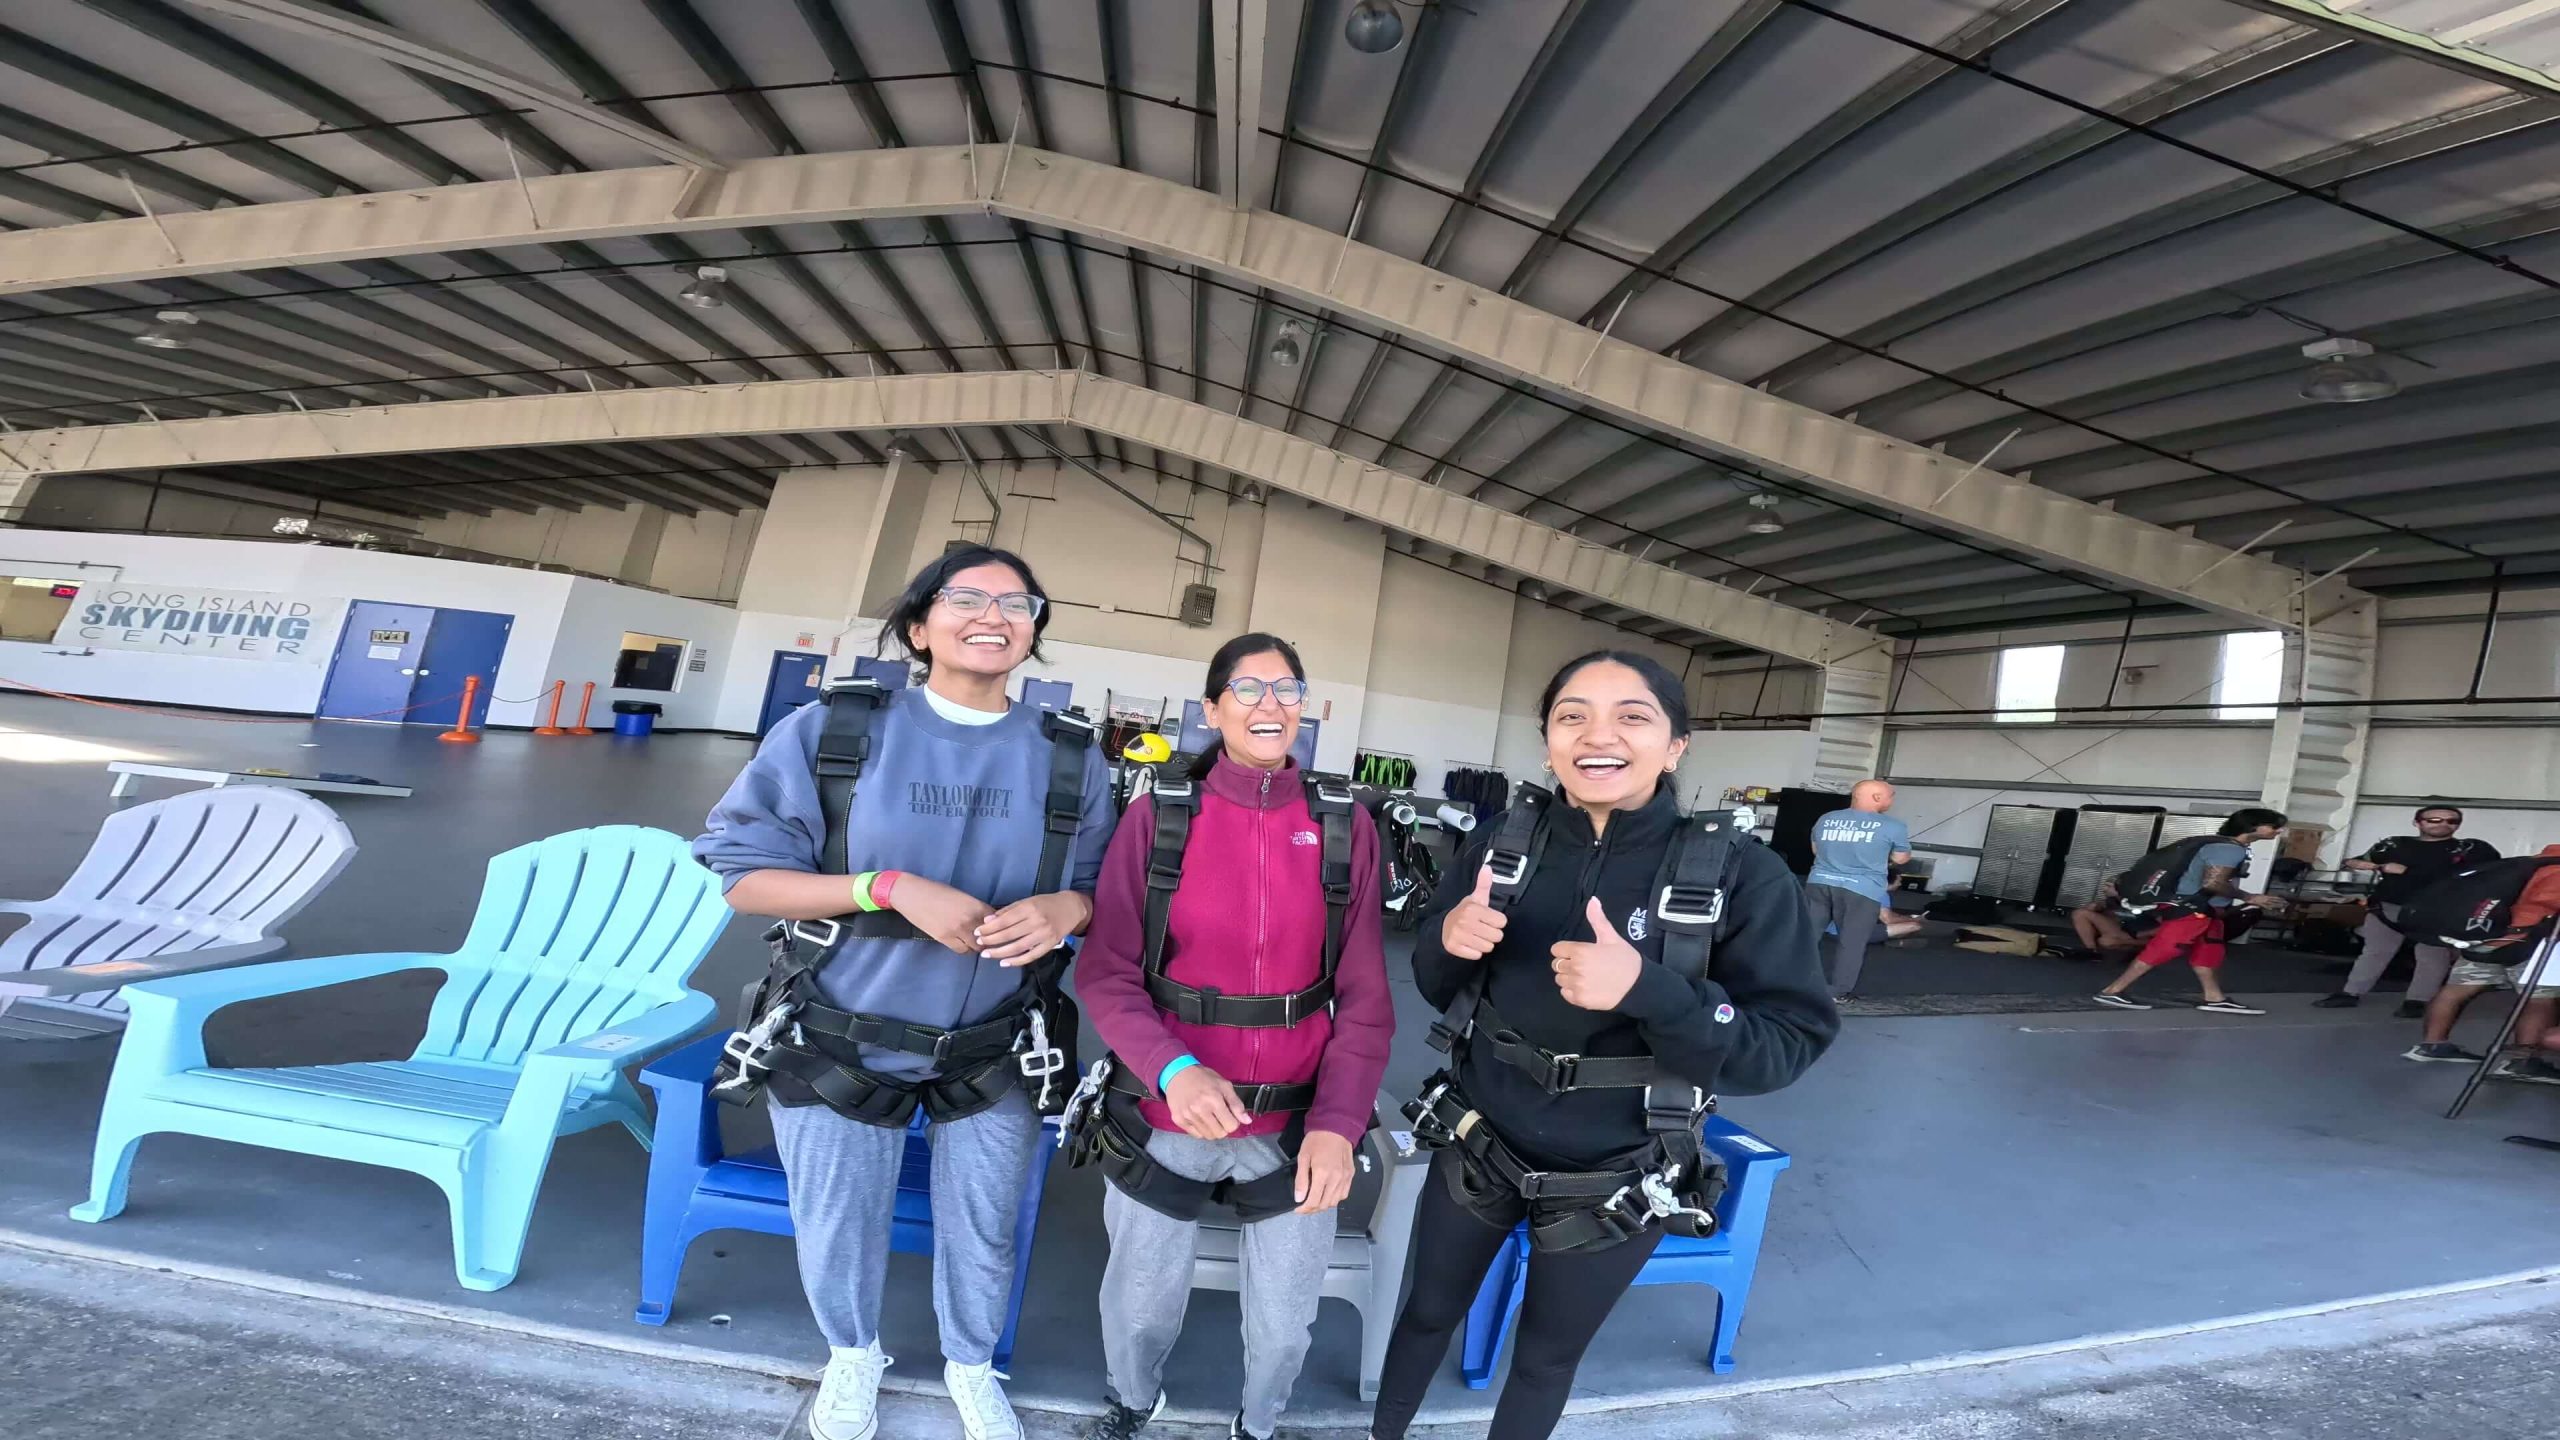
column 926, row 587
column 1222, row 668
column 2426, row 810
column 1657, row 678
column 2245, row 820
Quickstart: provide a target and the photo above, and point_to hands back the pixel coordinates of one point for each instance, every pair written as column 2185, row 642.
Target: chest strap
column 1176, row 804
column 1258, row 1100
column 845, row 739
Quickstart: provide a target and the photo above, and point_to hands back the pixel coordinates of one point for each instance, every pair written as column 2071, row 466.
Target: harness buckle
column 1084, row 1103
column 1037, row 1058
column 1424, row 1111
column 1689, row 904
column 1561, row 1073
column 748, row 1048
column 1507, row 867
column 1664, row 1118
column 805, row 930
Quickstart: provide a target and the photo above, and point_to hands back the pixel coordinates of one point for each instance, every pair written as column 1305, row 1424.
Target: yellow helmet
column 1149, row 749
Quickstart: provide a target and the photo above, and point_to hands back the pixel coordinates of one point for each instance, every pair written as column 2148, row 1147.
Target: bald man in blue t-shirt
column 1854, row 852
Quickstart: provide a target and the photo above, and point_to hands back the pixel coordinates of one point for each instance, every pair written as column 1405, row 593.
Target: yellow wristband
column 862, row 891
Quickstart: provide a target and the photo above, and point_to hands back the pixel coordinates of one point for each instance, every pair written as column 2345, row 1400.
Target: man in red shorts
column 2194, row 929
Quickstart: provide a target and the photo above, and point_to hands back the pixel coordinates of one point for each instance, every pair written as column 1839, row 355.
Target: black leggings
column 1569, row 1295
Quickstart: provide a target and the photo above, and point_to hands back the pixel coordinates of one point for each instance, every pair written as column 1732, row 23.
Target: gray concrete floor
column 1962, row 1184
column 89, row 1348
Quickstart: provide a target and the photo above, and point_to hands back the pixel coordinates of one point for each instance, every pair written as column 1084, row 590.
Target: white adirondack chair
column 196, row 882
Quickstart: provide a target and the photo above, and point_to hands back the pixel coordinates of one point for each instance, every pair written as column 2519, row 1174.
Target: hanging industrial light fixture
column 1764, row 515
column 709, row 290
column 175, row 331
column 1290, row 346
column 2345, row 373
column 1374, row 27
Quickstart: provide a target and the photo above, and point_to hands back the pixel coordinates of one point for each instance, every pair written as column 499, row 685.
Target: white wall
column 589, row 639
column 582, row 620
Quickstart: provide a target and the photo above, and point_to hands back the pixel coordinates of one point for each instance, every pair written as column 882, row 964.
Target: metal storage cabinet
column 2022, row 853
column 2105, row 841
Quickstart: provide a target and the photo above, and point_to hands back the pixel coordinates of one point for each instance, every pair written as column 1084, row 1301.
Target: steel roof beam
column 2441, row 49
column 1470, row 191
column 1977, row 38
column 384, row 43
column 1238, row 29
column 1196, row 433
column 2417, row 140
column 1554, row 355
column 2217, row 77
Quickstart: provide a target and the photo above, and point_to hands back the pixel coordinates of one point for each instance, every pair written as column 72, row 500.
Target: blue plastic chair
column 575, row 968
column 696, row 1187
column 1724, row 1260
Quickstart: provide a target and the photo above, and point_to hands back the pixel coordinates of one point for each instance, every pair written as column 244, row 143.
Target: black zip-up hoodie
column 1758, row 1019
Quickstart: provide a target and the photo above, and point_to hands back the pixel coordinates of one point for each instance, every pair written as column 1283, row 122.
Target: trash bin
column 636, row 717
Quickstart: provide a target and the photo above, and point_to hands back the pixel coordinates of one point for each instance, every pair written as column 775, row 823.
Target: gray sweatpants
column 1147, row 1284
column 1856, row 915
column 844, row 1192
column 2381, row 943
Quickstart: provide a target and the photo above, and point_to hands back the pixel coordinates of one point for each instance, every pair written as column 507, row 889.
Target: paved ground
column 90, row 1349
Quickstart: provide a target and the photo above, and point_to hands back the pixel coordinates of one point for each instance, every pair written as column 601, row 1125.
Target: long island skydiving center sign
column 216, row 624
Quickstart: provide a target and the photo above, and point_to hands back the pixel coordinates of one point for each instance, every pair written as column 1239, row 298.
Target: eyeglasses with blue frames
column 1249, row 691
column 969, row 604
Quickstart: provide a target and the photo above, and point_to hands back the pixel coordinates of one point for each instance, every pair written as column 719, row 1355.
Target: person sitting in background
column 2487, row 968
column 1854, row 852
column 2407, row 865
column 2101, row 925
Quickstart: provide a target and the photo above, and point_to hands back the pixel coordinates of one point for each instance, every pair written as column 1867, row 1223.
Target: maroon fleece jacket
column 1248, row 919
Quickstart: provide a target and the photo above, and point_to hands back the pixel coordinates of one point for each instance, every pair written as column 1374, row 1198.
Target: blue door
column 406, row 663
column 794, row 681
column 377, row 662
column 460, row 643
column 892, row 674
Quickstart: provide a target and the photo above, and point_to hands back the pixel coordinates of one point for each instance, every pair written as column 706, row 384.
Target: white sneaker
column 984, row 1412
column 848, row 1405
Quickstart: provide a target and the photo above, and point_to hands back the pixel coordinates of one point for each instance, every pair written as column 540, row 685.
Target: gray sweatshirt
column 961, row 804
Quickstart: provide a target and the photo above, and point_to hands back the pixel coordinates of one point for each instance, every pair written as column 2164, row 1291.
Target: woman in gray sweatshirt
column 944, row 830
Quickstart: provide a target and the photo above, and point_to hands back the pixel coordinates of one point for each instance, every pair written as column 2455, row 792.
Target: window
column 2029, row 679
column 2251, row 677
column 32, row 606
column 648, row 662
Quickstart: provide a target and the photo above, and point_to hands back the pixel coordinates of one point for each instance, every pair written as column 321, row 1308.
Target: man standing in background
column 1854, row 851
column 2407, row 864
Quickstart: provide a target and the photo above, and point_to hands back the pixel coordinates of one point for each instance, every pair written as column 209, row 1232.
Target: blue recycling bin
column 636, row 717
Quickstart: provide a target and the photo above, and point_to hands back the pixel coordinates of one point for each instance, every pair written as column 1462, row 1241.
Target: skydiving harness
column 1670, row 1179
column 787, row 1034
column 1102, row 1123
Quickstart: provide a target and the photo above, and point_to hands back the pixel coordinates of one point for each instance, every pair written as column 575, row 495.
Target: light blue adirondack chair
column 574, row 969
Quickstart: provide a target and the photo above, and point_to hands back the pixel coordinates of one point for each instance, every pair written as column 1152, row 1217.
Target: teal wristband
column 1173, row 1067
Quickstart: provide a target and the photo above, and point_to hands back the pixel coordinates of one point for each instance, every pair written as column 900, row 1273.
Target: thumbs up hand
column 1473, row 927
column 1596, row 974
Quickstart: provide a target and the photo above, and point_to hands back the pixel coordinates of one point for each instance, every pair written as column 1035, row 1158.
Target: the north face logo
column 1636, row 925
column 1304, row 837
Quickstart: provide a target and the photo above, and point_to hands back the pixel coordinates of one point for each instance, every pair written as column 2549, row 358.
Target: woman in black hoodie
column 1573, row 964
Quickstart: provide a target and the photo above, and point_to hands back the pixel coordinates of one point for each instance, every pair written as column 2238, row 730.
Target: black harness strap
column 787, row 1033
column 1330, row 801
column 1268, row 1099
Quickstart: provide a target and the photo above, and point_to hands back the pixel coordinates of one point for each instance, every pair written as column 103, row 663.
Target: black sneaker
column 1119, row 1422
column 2439, row 1050
column 2340, row 1001
column 2533, row 1068
column 2410, row 1010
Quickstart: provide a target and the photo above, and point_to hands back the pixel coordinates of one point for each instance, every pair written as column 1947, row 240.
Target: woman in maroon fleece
column 1248, row 919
